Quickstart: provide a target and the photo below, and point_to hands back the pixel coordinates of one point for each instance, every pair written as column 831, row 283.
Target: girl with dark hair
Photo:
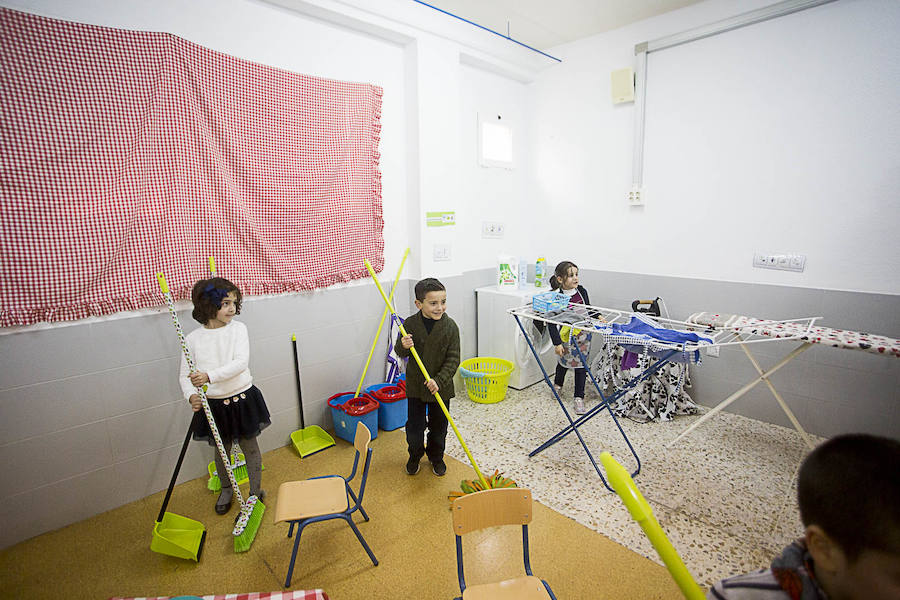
column 221, row 353
column 565, row 280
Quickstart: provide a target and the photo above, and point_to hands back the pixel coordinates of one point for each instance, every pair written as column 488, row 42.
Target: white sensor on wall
column 621, row 85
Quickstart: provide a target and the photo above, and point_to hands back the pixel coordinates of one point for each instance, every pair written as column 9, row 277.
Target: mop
column 249, row 519
column 467, row 486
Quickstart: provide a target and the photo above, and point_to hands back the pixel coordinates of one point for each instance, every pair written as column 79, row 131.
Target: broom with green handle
column 484, row 482
column 249, row 519
column 380, row 325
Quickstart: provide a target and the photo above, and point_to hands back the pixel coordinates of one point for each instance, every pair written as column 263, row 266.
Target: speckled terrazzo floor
column 725, row 495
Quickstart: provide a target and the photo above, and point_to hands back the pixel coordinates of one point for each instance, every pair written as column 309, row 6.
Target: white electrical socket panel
column 441, row 252
column 712, row 351
column 636, row 195
column 780, row 262
column 492, row 229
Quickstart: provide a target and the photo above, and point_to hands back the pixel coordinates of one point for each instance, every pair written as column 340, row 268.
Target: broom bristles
column 241, row 475
column 243, row 537
column 470, row 486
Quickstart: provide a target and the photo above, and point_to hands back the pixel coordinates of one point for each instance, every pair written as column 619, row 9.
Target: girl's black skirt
column 243, row 415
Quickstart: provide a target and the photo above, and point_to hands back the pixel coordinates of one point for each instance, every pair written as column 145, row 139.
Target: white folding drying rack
column 598, row 321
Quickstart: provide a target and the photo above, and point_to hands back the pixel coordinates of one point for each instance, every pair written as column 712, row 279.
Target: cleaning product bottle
column 523, row 271
column 507, row 272
column 540, row 271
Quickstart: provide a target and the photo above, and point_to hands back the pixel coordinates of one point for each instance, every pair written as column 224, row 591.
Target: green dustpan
column 173, row 534
column 178, row 536
column 312, row 439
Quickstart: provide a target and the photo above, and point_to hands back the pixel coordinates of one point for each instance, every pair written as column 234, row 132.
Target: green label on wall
column 440, row 219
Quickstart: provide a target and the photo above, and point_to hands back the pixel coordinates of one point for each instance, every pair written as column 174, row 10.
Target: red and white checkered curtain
column 127, row 153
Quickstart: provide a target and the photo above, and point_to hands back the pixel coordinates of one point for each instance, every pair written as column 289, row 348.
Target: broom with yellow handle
column 380, row 325
column 496, row 480
column 249, row 519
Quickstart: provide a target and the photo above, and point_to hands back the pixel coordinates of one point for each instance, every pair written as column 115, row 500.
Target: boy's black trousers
column 419, row 416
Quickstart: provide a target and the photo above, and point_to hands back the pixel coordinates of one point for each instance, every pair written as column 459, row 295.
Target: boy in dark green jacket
column 436, row 339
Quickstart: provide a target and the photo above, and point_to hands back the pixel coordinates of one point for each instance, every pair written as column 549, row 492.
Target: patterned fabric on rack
column 660, row 397
column 295, row 595
column 837, row 338
column 126, row 153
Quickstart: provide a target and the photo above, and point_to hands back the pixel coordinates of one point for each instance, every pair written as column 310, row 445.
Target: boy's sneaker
column 579, row 406
column 412, row 466
column 439, row 467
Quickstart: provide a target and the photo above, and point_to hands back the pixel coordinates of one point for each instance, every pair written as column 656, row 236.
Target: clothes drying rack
column 665, row 340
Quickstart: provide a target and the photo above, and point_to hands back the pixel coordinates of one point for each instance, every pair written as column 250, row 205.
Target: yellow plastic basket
column 486, row 378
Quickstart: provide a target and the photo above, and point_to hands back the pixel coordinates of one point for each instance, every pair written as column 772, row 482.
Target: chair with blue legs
column 302, row 503
column 491, row 508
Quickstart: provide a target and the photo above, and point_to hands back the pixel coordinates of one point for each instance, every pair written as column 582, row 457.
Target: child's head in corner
column 565, row 276
column 431, row 298
column 849, row 496
column 216, row 302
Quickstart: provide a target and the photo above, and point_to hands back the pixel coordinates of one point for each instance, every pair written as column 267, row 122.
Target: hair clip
column 214, row 294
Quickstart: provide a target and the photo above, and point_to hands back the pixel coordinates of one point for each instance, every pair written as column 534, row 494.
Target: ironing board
column 666, row 340
column 746, row 329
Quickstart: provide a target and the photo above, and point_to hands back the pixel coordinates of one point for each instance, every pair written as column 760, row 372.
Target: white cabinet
column 499, row 334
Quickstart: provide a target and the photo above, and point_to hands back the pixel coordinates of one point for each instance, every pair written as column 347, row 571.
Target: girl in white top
column 221, row 353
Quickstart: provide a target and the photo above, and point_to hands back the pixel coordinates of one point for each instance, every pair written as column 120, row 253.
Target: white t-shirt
column 222, row 353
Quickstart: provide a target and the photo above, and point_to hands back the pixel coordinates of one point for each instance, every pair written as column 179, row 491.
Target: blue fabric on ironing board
column 637, row 326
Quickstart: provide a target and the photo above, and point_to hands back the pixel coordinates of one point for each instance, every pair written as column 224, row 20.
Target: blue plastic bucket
column 392, row 409
column 345, row 422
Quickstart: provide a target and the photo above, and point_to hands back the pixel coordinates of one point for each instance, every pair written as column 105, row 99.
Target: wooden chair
column 490, row 508
column 323, row 498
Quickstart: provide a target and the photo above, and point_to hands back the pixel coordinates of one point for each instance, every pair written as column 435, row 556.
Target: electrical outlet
column 492, row 229
column 441, row 252
column 781, row 262
column 636, row 195
column 712, row 351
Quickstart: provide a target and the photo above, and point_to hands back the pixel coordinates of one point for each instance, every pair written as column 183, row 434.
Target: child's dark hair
column 429, row 284
column 849, row 486
column 207, row 296
column 561, row 272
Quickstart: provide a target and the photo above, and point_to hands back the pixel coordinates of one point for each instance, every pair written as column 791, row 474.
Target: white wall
column 493, row 193
column 117, row 409
column 722, row 179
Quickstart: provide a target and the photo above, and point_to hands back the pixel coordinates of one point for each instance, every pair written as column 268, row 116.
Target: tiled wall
column 92, row 416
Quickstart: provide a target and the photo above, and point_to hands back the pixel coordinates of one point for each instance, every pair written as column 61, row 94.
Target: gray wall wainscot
column 92, row 415
column 830, row 390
